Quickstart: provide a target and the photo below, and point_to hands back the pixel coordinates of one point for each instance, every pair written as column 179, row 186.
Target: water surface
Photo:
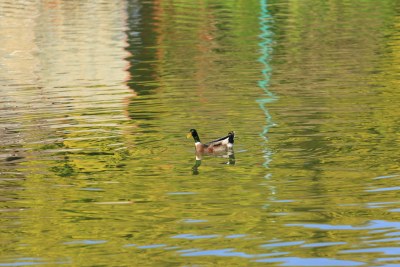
column 97, row 98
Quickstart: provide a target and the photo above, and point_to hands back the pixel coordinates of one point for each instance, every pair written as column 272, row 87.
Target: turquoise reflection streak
column 266, row 50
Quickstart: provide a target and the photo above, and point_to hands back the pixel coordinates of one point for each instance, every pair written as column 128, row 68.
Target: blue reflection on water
column 27, row 261
column 395, row 188
column 228, row 252
column 85, row 242
column 192, row 236
column 283, row 244
column 236, row 236
column 24, row 262
column 225, row 252
column 385, row 176
column 322, row 244
column 295, row 261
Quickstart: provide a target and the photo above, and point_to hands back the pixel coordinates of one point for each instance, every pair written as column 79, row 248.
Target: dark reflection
column 229, row 155
column 196, row 165
column 13, row 158
column 144, row 74
column 142, row 42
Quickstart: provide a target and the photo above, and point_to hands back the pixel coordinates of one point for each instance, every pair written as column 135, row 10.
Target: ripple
column 97, row 91
column 181, row 193
column 152, row 246
column 24, row 263
column 193, row 236
column 384, row 250
column 85, row 242
column 216, row 252
column 384, row 240
column 93, row 189
column 193, row 221
column 395, row 188
column 295, row 261
column 386, row 177
column 374, row 224
column 114, row 203
column 283, row 244
column 323, row 244
column 235, row 236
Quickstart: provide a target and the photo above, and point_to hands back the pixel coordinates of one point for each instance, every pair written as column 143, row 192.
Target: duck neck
column 196, row 138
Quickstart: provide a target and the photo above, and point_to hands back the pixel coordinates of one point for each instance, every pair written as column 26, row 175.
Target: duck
column 219, row 145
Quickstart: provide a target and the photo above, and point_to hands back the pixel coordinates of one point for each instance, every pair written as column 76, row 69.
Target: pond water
column 96, row 98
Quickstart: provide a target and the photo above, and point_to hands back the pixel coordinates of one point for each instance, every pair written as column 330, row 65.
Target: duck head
column 193, row 133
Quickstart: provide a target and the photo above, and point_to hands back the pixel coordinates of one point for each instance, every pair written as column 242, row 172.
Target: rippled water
column 96, row 98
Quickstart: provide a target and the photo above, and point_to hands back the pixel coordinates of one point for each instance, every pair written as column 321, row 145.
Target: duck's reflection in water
column 229, row 155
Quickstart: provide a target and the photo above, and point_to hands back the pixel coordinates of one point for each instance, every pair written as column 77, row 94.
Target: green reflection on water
column 93, row 175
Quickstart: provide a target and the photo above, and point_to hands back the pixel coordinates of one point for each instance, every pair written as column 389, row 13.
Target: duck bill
column 189, row 135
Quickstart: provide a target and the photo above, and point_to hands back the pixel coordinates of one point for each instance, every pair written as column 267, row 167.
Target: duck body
column 219, row 145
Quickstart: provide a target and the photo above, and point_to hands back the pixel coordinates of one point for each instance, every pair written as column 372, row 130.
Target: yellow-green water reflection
column 96, row 100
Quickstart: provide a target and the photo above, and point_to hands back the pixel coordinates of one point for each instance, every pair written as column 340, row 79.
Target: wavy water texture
column 96, row 98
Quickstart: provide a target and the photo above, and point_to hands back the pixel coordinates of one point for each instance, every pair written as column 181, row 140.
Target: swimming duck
column 222, row 144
